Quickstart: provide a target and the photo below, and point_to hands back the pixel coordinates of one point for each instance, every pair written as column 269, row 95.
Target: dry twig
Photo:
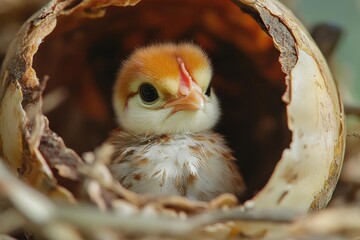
column 49, row 217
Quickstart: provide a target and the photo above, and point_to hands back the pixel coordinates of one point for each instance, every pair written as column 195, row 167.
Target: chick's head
column 165, row 89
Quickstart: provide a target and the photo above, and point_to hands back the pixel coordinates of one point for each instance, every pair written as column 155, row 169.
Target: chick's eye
column 148, row 93
column 208, row 91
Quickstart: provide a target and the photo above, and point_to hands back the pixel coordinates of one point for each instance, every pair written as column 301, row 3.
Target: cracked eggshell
column 308, row 170
column 11, row 123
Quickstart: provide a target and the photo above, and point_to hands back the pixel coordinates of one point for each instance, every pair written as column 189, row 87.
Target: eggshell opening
column 269, row 76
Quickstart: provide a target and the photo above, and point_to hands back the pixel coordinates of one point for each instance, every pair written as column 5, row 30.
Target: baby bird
column 166, row 109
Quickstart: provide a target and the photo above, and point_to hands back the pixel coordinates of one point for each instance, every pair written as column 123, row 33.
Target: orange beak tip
column 193, row 101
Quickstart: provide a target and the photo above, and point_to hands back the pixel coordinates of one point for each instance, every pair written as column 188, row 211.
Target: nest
column 57, row 79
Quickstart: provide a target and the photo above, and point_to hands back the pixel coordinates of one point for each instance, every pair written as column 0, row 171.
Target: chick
column 166, row 109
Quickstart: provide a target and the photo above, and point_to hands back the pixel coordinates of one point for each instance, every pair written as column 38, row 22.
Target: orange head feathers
column 165, row 88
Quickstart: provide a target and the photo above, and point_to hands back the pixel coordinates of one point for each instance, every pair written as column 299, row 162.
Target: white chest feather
column 197, row 166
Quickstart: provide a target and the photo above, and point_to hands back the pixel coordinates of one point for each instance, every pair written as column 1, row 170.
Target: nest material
column 39, row 156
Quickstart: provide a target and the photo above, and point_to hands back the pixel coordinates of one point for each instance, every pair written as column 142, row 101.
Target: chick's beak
column 194, row 100
column 190, row 96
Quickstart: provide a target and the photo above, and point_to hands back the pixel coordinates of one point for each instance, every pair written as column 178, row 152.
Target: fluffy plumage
column 198, row 166
column 166, row 110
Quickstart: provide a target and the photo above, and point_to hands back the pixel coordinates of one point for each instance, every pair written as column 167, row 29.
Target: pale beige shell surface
column 315, row 117
column 303, row 179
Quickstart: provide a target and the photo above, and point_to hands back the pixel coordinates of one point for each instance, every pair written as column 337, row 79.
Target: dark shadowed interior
column 82, row 56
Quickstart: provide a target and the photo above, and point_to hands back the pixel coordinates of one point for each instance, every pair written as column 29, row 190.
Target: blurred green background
column 345, row 62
